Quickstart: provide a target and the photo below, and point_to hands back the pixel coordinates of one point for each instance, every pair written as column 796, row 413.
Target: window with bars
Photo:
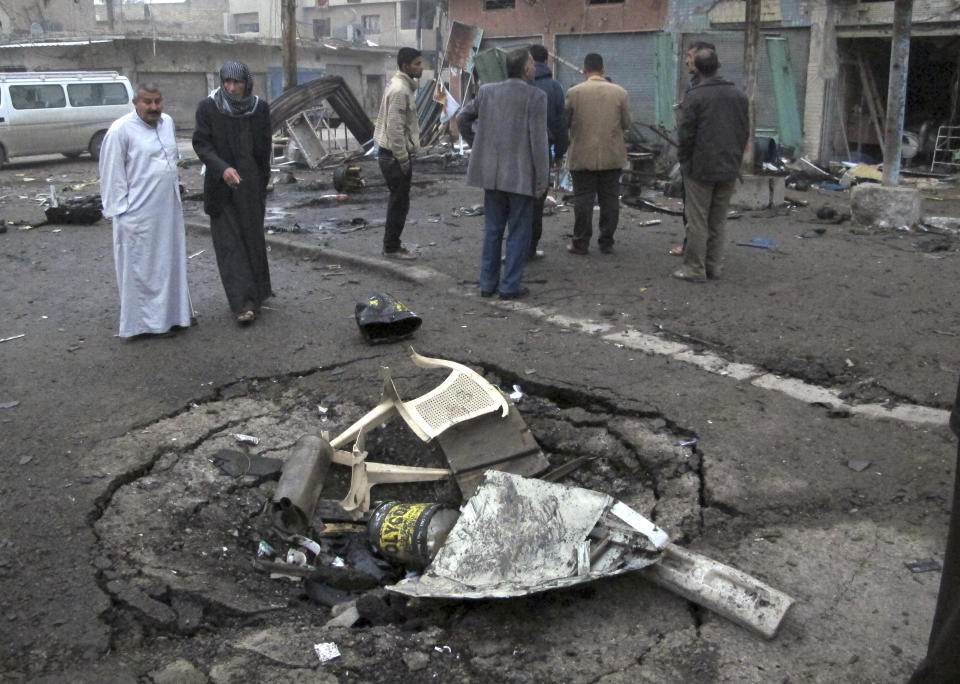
column 370, row 23
column 321, row 28
column 247, row 22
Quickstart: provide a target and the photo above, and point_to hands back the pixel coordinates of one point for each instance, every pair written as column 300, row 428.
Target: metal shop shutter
column 510, row 43
column 730, row 50
column 181, row 94
column 629, row 59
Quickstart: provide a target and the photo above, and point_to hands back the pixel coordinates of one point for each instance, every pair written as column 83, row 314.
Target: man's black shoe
column 402, row 253
column 522, row 292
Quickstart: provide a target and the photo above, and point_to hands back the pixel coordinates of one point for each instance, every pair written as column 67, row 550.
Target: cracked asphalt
column 617, row 360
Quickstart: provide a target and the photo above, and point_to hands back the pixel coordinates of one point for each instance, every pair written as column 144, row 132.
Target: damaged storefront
column 848, row 77
column 856, row 120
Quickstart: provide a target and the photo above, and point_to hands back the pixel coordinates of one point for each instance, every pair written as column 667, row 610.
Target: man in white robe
column 140, row 190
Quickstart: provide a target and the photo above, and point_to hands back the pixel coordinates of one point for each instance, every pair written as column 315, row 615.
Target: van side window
column 97, row 94
column 37, row 96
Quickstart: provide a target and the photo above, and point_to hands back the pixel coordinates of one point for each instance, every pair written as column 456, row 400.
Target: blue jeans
column 505, row 210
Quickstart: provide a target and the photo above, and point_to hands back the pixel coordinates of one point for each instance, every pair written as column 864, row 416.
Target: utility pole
column 419, row 44
column 110, row 14
column 751, row 45
column 288, row 29
column 897, row 91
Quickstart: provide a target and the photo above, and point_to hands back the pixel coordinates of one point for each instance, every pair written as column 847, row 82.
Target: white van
column 65, row 112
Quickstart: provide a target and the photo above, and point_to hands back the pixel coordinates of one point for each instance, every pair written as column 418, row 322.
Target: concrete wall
column 528, row 18
column 54, row 18
column 860, row 15
column 390, row 34
column 193, row 17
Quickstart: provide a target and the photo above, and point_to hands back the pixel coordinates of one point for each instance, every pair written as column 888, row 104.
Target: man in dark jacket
column 942, row 663
column 694, row 81
column 556, row 132
column 713, row 132
column 232, row 138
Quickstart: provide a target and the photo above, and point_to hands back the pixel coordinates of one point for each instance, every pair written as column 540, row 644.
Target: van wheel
column 71, row 155
column 95, row 142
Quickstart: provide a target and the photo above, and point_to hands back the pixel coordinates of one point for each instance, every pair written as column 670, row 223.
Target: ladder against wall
column 946, row 152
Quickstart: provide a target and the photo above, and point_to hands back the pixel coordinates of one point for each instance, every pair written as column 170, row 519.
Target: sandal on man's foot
column 246, row 317
column 676, row 251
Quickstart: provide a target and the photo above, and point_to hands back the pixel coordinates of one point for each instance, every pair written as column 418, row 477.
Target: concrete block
column 883, row 206
column 758, row 192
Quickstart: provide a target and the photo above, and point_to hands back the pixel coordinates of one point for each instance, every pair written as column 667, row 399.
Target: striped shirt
column 398, row 127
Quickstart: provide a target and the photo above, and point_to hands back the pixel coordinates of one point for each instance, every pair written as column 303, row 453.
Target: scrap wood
column 563, row 470
column 872, row 97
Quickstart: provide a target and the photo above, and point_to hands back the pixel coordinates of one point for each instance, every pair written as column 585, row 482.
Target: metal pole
column 751, row 43
column 110, row 14
column 419, row 45
column 897, row 91
column 288, row 27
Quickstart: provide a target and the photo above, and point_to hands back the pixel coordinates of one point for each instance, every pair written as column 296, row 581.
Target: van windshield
column 97, row 94
column 37, row 96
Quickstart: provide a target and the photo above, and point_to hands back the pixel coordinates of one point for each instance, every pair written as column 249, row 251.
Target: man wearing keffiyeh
column 233, row 139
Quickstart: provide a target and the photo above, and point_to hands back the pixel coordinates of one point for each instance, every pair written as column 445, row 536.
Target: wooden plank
column 872, row 97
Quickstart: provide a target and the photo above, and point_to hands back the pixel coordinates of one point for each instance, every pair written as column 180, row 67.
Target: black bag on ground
column 384, row 319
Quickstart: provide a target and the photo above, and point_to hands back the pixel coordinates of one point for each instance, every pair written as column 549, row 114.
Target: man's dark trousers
column 942, row 663
column 398, row 205
column 604, row 188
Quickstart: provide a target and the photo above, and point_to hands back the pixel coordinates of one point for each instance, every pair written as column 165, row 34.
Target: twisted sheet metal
column 334, row 90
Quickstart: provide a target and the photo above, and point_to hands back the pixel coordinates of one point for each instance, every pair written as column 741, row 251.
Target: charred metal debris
column 445, row 495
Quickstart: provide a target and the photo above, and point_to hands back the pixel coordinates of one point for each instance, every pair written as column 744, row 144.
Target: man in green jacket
column 398, row 135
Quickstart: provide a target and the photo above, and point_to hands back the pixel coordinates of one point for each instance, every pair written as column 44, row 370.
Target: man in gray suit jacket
column 510, row 160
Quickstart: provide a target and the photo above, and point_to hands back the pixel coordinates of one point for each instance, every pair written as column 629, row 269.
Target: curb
column 413, row 273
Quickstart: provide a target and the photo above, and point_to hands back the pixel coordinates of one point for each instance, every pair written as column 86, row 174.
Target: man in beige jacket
column 398, row 135
column 598, row 114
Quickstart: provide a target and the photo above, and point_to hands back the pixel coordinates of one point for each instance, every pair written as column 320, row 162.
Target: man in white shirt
column 140, row 191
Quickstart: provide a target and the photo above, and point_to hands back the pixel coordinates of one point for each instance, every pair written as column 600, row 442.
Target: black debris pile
column 82, row 211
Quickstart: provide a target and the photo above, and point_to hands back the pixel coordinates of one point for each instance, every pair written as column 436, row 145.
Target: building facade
column 181, row 43
column 823, row 65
